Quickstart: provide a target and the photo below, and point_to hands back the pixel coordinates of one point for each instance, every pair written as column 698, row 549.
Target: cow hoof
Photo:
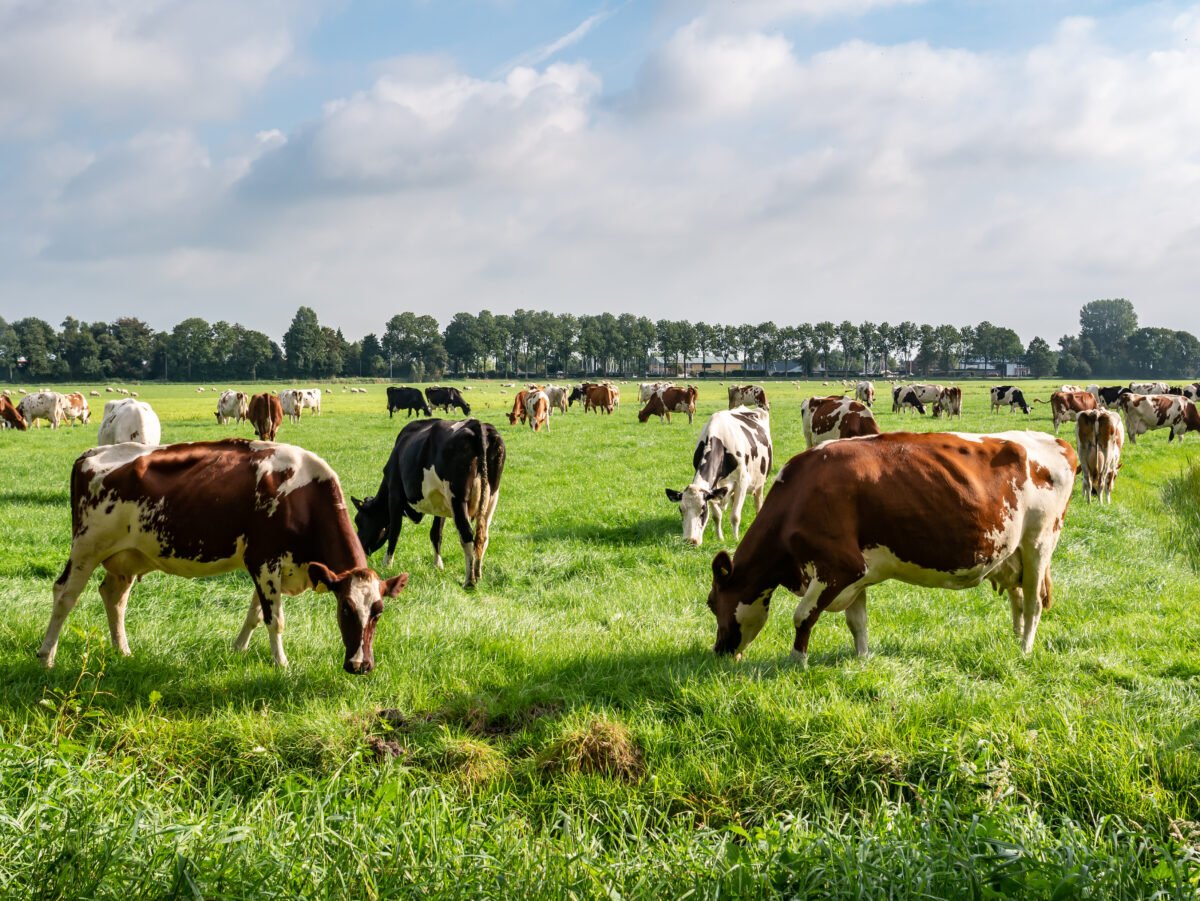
column 47, row 660
column 438, row 564
column 800, row 659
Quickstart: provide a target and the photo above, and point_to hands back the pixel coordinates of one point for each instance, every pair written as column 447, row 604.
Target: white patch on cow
column 437, row 499
column 303, row 467
column 752, row 617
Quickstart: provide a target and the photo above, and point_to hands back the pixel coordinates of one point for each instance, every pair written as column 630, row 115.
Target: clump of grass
column 471, row 762
column 1182, row 495
column 600, row 746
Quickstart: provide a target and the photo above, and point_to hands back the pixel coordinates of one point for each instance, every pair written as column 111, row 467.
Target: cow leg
column 758, row 498
column 253, row 617
column 735, row 510
column 67, row 589
column 816, row 598
column 395, row 521
column 435, row 538
column 115, row 592
column 462, row 522
column 1016, row 600
column 1036, row 589
column 483, row 532
column 856, row 619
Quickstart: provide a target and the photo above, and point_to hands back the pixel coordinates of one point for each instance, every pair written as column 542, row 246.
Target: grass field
column 565, row 730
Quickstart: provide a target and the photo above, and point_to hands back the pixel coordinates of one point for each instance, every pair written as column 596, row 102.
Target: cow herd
column 860, row 506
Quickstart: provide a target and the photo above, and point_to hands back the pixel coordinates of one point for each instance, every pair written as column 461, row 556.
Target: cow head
column 371, row 522
column 466, row 407
column 740, row 617
column 693, row 504
column 360, row 594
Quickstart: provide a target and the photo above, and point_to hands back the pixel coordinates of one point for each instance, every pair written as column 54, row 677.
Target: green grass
column 564, row 730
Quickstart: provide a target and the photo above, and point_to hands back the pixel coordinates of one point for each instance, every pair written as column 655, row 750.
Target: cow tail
column 485, row 489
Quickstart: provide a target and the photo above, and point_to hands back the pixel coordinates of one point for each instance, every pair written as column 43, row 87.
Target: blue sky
column 734, row 161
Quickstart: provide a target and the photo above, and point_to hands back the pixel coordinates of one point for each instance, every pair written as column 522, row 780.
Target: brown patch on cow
column 601, row 747
column 597, row 398
column 654, row 407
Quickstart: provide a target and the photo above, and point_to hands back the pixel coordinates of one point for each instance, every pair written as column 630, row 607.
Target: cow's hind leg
column 462, row 522
column 1016, row 600
column 1036, row 588
column 856, row 619
column 435, row 538
column 115, row 592
column 483, row 528
column 67, row 589
column 254, row 616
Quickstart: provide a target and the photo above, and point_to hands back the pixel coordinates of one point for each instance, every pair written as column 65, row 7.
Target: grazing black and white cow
column 732, row 459
column 1007, row 394
column 214, row 507
column 445, row 469
column 949, row 402
column 905, row 398
column 409, row 399
column 447, row 398
column 1107, row 396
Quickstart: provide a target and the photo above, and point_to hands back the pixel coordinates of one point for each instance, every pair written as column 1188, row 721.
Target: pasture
column 565, row 730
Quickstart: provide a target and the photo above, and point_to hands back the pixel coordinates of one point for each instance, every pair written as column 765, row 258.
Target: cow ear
column 321, row 576
column 717, row 493
column 674, row 496
column 358, row 504
column 722, row 567
column 393, row 586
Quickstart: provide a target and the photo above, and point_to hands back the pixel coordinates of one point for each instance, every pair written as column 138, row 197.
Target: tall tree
column 191, row 343
column 1040, row 359
column 304, row 344
column 1107, row 325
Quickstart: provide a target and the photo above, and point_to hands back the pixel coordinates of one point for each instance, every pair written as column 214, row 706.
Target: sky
column 720, row 160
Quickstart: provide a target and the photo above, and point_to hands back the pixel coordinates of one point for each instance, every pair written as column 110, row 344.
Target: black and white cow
column 905, row 398
column 409, row 399
column 1007, row 394
column 447, row 398
column 1107, row 396
column 732, row 459
column 445, row 469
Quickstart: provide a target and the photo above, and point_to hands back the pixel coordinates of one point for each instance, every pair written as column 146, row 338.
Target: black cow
column 447, row 398
column 1007, row 394
column 409, row 399
column 577, row 394
column 444, row 469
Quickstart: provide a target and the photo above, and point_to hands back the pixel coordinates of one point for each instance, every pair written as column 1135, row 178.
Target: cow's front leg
column 735, row 510
column 270, row 597
column 395, row 521
column 816, row 598
column 717, row 514
column 856, row 619
column 462, row 522
column 435, row 538
column 115, row 592
column 254, row 616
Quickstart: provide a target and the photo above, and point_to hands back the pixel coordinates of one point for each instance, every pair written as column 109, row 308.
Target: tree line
column 415, row 347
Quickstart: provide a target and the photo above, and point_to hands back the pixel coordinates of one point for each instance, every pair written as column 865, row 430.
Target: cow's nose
column 694, row 542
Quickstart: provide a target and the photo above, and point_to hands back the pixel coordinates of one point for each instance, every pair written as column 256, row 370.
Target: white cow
column 647, row 390
column 557, row 396
column 129, row 420
column 864, row 392
column 48, row 405
column 289, row 399
column 1149, row 387
column 233, row 405
column 732, row 459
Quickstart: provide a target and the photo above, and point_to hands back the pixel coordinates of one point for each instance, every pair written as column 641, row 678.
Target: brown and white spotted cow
column 128, row 419
column 949, row 402
column 1065, row 406
column 671, row 400
column 518, row 408
column 864, row 392
column 537, row 410
column 748, row 395
column 1149, row 387
column 47, row 405
column 939, row 510
column 215, row 507
column 1147, row 412
column 75, row 408
column 10, row 415
column 266, row 415
column 828, row 418
column 732, row 459
column 1099, row 438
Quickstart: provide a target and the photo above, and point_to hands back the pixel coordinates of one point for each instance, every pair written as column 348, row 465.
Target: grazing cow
column 949, row 402
column 537, row 410
column 1149, row 387
column 309, row 399
column 671, row 400
column 827, row 418
column 750, row 395
column 939, row 510
column 11, row 416
column 557, row 397
column 1147, row 412
column 732, row 459
column 94, row 393
column 1192, row 391
column 927, row 394
column 1100, row 438
column 47, row 405
column 518, row 408
column 1007, row 394
column 447, row 398
column 599, row 397
column 616, row 394
column 578, row 393
column 905, row 398
column 266, row 415
column 75, row 408
column 1067, row 405
column 864, row 392
column 647, row 390
column 409, row 399
column 214, row 507
column 129, row 420
column 1107, row 396
column 232, row 405
column 445, row 469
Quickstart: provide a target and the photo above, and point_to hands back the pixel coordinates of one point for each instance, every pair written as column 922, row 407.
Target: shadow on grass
column 651, row 530
column 34, row 498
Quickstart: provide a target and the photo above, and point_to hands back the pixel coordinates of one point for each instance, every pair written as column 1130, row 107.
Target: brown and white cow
column 537, row 410
column 232, row 405
column 1099, row 438
column 47, row 405
column 75, row 408
column 1065, row 406
column 1071, row 388
column 647, row 390
column 671, row 400
column 10, row 415
column 266, row 415
column 864, row 392
column 1192, row 391
column 1147, row 412
column 748, row 395
column 518, row 408
column 213, row 507
column 949, row 402
column 1149, row 387
column 939, row 510
column 597, row 398
column 829, row 418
